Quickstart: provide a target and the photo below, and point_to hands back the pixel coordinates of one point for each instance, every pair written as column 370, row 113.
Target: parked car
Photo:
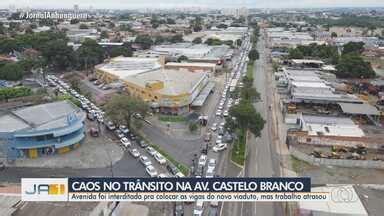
column 172, row 169
column 202, row 160
column 207, row 137
column 214, row 127
column 145, row 160
column 178, row 209
column 151, row 171
column 160, row 158
column 199, row 208
column 135, row 153
column 151, row 151
column 211, row 164
column 142, row 143
column 219, row 147
column 125, row 142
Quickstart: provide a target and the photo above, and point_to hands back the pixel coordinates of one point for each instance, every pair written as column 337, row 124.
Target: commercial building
column 168, row 90
column 39, row 130
column 194, row 52
column 279, row 37
column 192, row 66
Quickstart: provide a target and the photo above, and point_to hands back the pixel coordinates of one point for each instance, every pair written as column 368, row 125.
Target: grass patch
column 250, row 70
column 166, row 118
column 182, row 167
column 238, row 150
column 298, row 165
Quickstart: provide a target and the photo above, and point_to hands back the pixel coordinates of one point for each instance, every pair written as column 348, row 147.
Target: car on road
column 145, row 160
column 207, row 137
column 124, row 129
column 151, row 170
column 214, row 127
column 110, row 125
column 199, row 208
column 2, row 166
column 134, row 152
column 163, row 175
column 221, row 131
column 172, row 169
column 125, row 141
column 210, row 174
column 178, row 209
column 225, row 113
column 202, row 160
column 218, row 113
column 211, row 164
column 142, row 143
column 160, row 158
column 151, row 151
column 219, row 147
column 179, row 174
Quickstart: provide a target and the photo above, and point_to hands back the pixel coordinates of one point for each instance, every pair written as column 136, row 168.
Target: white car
column 160, row 158
column 179, row 175
column 219, row 147
column 225, row 113
column 214, row 127
column 210, row 174
column 145, row 160
column 151, row 151
column 218, row 113
column 202, row 160
column 211, row 164
column 163, row 175
column 199, row 208
column 125, row 142
column 135, row 153
column 151, row 171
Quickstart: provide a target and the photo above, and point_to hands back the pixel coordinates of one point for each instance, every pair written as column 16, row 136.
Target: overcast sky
column 127, row 4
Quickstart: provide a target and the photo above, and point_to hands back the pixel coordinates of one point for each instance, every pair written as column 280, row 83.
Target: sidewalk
column 93, row 153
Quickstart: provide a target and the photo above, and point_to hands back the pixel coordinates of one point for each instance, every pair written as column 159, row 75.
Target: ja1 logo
column 44, row 189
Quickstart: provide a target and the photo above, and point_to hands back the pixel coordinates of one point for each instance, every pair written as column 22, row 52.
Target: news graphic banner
column 169, row 189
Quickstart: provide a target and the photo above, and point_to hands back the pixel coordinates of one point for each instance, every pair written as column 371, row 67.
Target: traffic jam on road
column 128, row 140
column 206, row 165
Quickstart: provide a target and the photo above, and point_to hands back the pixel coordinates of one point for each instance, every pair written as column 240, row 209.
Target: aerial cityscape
column 193, row 89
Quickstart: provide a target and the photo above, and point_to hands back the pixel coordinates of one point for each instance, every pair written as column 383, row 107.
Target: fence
column 336, row 162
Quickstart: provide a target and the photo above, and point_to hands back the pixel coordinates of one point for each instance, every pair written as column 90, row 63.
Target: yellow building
column 171, row 91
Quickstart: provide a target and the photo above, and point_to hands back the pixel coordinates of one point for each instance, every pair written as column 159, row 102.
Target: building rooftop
column 362, row 109
column 127, row 66
column 191, row 64
column 331, row 126
column 40, row 117
column 176, row 82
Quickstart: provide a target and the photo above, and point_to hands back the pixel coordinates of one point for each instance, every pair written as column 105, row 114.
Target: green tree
column 193, row 126
column 176, row 38
column 353, row 47
column 58, row 55
column 170, row 21
column 11, row 71
column 352, row 65
column 121, row 108
column 222, row 26
column 247, row 117
column 250, row 94
column 295, row 54
column 182, row 58
column 8, row 93
column 213, row 42
column 239, row 42
column 89, row 54
column 83, row 26
column 197, row 40
column 120, row 51
column 145, row 41
column 333, row 35
column 253, row 55
column 104, row 34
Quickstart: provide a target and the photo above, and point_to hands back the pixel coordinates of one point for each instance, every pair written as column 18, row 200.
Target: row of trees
column 53, row 52
column 9, row 93
column 349, row 64
column 327, row 53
